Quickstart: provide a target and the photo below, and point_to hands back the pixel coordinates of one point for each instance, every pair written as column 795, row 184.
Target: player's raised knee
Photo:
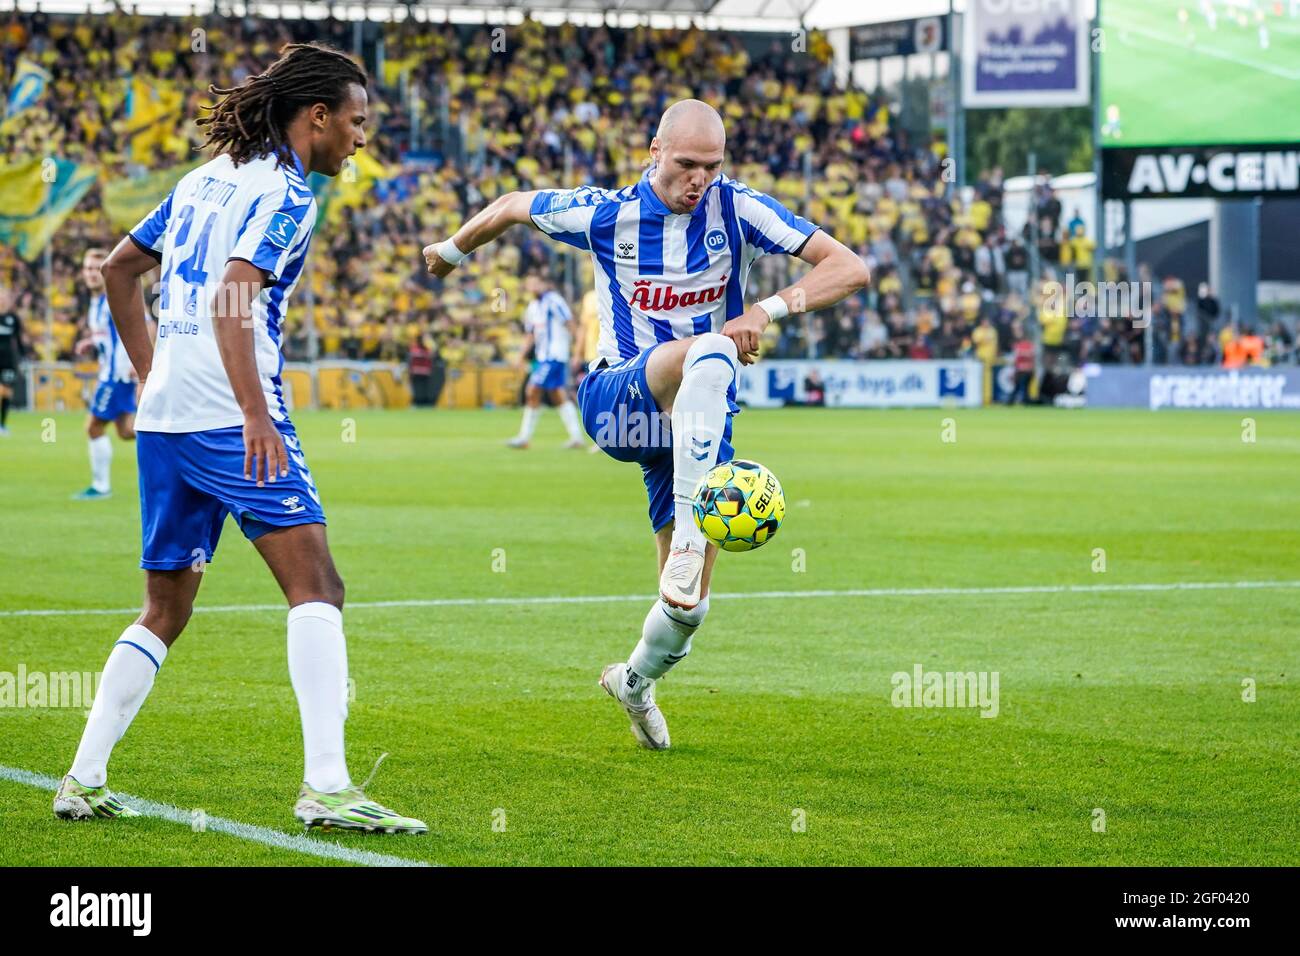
column 712, row 354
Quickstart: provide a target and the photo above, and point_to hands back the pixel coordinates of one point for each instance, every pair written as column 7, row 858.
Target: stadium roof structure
column 771, row 15
column 814, row 13
column 759, row 9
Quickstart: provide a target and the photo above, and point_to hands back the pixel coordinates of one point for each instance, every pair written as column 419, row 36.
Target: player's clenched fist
column 438, row 266
column 746, row 331
column 442, row 257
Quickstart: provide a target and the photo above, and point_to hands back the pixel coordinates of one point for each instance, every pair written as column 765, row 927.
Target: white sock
column 665, row 640
column 318, row 670
column 101, row 464
column 699, row 417
column 529, row 424
column 126, row 682
column 569, row 415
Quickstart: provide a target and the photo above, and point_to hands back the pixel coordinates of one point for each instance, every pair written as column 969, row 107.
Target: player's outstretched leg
column 299, row 558
column 699, row 417
column 665, row 642
column 127, row 679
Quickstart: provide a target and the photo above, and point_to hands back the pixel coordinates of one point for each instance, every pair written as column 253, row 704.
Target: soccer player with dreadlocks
column 213, row 433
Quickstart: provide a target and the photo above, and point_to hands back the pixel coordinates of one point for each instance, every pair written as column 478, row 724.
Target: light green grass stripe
column 750, row 596
column 242, row 831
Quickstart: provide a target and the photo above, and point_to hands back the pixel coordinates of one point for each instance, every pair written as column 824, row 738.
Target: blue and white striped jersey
column 114, row 363
column 547, row 318
column 662, row 275
column 260, row 212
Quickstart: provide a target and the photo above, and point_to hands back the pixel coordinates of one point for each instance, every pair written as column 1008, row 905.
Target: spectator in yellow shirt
column 984, row 339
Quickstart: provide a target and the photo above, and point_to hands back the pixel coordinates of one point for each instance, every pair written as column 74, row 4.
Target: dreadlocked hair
column 252, row 119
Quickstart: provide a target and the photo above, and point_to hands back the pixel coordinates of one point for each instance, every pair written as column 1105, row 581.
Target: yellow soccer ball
column 739, row 505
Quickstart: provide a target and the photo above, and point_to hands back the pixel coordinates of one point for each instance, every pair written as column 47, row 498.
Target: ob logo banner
column 715, row 240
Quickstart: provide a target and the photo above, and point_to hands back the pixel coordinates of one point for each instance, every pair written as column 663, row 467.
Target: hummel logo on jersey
column 625, row 250
column 634, row 390
column 293, row 504
column 700, row 447
column 281, row 229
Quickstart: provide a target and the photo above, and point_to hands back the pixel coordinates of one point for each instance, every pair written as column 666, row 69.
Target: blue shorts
column 550, row 375
column 113, row 399
column 623, row 418
column 190, row 481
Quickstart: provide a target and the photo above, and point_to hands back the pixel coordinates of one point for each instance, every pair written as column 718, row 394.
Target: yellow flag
column 127, row 201
column 153, row 111
column 22, row 190
column 61, row 184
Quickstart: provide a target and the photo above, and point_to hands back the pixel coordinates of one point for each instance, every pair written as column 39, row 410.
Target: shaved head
column 691, row 120
column 687, row 151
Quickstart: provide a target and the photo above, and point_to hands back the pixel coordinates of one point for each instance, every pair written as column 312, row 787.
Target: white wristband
column 448, row 250
column 775, row 307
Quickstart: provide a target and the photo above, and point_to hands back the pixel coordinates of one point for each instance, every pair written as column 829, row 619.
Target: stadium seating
column 463, row 115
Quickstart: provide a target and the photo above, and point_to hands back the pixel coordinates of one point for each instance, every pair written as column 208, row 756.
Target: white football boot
column 518, row 443
column 648, row 724
column 683, row 573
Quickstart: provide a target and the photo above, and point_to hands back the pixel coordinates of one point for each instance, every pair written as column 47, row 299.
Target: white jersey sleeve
column 565, row 214
column 277, row 226
column 768, row 227
column 152, row 230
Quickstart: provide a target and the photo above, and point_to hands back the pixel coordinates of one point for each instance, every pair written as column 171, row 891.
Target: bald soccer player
column 672, row 253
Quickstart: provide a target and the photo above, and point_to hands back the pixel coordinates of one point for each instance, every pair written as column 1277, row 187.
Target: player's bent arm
column 837, row 272
column 232, row 326
column 487, row 224
column 122, row 271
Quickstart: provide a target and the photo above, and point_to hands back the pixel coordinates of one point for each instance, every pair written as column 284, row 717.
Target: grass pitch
column 787, row 749
column 1179, row 83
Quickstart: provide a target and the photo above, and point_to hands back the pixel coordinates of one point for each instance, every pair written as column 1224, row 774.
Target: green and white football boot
column 351, row 809
column 75, row 802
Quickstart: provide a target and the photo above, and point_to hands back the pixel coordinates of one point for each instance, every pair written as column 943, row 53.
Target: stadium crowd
column 463, row 114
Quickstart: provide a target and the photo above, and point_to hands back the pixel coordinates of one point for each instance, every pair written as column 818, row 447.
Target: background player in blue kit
column 549, row 331
column 671, row 255
column 114, row 398
column 214, row 435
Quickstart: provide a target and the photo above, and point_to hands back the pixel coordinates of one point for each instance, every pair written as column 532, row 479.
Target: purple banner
column 1025, row 53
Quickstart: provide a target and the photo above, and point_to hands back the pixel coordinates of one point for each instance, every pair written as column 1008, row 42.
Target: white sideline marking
column 242, row 831
column 753, row 595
